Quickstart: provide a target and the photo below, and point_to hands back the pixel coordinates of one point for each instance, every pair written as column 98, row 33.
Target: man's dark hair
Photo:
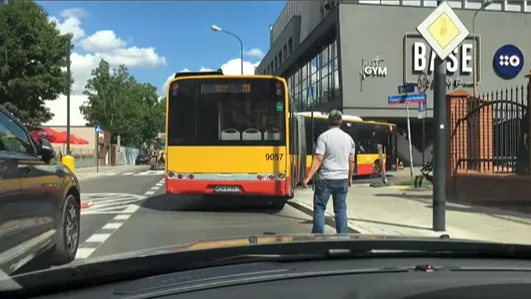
column 335, row 118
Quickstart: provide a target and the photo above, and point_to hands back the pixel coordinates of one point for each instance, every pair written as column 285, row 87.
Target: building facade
column 352, row 55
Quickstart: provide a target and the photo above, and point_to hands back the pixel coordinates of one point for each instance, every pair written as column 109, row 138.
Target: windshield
column 226, row 112
column 271, row 122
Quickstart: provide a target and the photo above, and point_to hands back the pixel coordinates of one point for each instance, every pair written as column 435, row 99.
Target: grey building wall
column 296, row 22
column 377, row 31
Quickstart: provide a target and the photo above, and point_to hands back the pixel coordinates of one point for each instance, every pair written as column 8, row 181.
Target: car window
column 13, row 138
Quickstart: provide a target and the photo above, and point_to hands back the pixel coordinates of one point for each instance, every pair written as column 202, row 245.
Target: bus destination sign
column 226, row 88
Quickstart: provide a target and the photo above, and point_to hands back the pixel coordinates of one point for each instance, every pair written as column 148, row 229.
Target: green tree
column 32, row 57
column 122, row 105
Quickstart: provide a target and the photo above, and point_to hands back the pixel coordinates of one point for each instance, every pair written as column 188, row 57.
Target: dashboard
column 374, row 278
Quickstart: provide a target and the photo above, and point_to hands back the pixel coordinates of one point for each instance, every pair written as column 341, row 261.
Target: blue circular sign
column 508, row 61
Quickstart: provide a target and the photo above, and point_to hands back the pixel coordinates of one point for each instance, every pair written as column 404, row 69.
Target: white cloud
column 77, row 13
column 103, row 44
column 231, row 67
column 103, row 40
column 255, row 53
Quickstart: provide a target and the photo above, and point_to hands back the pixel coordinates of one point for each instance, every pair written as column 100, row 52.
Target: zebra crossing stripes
column 144, row 173
column 111, row 203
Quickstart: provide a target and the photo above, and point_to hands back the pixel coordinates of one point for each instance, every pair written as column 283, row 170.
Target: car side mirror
column 46, row 150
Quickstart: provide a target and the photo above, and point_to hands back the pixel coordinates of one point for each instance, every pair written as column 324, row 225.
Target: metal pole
column 68, row 83
column 241, row 49
column 439, row 148
column 474, row 49
column 409, row 140
column 241, row 54
column 96, row 141
column 424, row 138
column 313, row 143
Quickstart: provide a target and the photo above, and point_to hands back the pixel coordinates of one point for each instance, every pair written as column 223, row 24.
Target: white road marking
column 110, row 203
column 83, row 253
column 113, row 225
column 126, row 203
column 122, row 217
column 100, row 238
column 150, row 172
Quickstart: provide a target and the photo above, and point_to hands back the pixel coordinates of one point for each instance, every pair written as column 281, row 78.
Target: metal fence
column 492, row 132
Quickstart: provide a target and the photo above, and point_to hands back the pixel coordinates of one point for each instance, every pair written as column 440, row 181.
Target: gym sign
column 372, row 69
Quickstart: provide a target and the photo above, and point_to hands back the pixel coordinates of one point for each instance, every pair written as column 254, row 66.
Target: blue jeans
column 323, row 189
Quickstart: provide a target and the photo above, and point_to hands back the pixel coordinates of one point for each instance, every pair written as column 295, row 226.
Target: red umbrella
column 46, row 133
column 80, row 140
column 61, row 138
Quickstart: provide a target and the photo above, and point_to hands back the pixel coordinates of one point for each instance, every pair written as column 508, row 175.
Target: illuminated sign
column 226, row 88
column 419, row 57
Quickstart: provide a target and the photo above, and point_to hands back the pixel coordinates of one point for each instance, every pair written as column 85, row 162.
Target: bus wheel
column 376, row 168
column 278, row 206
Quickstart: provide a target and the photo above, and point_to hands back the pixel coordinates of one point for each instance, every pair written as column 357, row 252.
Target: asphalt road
column 133, row 213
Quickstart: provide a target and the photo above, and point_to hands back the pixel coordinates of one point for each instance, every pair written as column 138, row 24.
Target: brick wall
column 479, row 180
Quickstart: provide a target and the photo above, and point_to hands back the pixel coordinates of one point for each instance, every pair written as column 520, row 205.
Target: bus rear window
column 227, row 112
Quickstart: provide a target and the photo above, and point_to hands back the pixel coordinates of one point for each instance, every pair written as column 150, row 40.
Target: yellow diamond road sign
column 443, row 30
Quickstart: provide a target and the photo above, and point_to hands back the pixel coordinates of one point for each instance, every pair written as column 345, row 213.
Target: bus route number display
column 226, row 88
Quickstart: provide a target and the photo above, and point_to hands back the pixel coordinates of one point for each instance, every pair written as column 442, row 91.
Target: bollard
column 69, row 162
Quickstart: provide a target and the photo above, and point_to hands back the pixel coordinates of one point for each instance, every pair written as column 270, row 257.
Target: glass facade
column 317, row 82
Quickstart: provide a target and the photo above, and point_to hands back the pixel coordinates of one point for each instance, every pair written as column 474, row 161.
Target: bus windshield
column 226, row 111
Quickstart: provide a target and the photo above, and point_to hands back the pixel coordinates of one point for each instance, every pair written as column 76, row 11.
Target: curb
column 85, row 204
column 329, row 220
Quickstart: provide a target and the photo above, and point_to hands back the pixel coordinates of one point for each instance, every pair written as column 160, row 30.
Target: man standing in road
column 334, row 155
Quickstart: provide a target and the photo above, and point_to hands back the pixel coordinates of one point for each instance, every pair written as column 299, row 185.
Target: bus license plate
column 226, row 189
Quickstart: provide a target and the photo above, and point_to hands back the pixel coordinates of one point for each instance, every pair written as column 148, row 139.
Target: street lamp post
column 218, row 29
column 68, row 83
column 474, row 63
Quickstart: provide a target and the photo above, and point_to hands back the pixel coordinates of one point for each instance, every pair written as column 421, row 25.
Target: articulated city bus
column 232, row 135
column 366, row 134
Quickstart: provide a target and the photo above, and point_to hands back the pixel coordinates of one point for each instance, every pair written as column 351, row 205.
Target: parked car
column 142, row 160
column 39, row 200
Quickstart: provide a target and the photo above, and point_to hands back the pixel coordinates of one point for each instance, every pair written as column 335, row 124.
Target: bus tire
column 278, row 206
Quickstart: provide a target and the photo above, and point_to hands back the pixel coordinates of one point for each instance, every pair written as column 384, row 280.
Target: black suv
column 39, row 200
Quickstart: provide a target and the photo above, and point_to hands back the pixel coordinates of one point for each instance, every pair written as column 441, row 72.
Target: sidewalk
column 86, row 173
column 405, row 211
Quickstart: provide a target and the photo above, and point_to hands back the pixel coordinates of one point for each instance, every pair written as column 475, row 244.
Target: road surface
column 131, row 212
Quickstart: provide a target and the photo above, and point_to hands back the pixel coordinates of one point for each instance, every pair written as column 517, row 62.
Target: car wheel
column 67, row 235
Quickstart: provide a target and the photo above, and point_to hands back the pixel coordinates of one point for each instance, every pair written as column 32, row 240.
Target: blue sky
column 157, row 39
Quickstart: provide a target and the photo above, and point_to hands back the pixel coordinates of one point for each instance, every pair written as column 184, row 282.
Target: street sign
column 422, row 107
column 443, row 30
column 423, row 83
column 98, row 129
column 407, row 88
column 409, row 99
column 422, row 110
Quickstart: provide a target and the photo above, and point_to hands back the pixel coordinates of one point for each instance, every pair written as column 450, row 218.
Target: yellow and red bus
column 366, row 134
column 232, row 135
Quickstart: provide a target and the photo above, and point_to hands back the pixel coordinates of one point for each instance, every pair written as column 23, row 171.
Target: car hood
column 253, row 240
